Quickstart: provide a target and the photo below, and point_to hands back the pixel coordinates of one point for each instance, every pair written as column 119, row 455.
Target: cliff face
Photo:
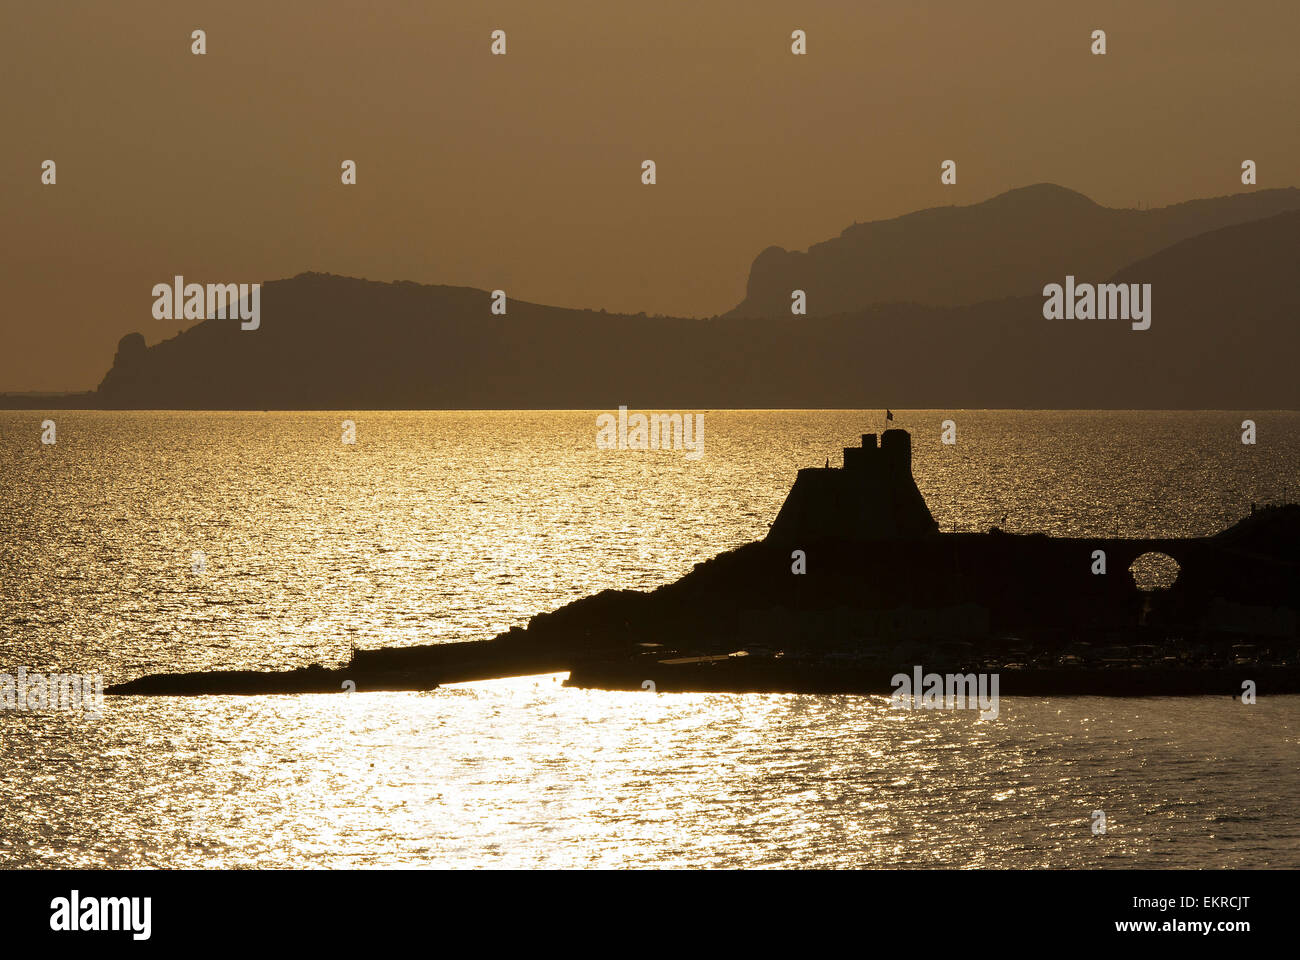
column 128, row 365
column 1003, row 247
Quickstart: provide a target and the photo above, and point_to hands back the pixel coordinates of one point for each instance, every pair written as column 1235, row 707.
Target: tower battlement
column 872, row 497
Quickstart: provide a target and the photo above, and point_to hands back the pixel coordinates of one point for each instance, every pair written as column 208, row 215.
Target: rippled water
column 448, row 526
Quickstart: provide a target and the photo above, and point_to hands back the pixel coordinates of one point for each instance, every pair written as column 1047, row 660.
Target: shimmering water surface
column 450, row 526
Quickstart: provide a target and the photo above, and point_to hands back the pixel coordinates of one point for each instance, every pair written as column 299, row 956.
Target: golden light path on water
column 454, row 526
column 525, row 772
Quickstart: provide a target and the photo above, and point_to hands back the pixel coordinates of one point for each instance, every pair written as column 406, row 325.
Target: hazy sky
column 523, row 171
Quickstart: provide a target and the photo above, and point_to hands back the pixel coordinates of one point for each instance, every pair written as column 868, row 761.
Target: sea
column 144, row 542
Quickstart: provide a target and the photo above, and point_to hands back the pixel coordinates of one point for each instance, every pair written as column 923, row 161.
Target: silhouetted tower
column 873, row 497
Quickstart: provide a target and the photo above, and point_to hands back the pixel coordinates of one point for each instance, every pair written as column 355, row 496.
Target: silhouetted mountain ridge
column 959, row 255
column 1223, row 336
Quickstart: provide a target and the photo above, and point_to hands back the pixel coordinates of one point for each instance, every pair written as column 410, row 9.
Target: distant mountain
column 954, row 256
column 1224, row 334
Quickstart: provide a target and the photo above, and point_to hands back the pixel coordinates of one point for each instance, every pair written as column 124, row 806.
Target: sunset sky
column 523, row 171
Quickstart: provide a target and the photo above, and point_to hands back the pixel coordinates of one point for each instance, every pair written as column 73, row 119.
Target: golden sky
column 523, row 172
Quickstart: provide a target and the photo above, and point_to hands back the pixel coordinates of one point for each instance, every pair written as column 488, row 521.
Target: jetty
column 855, row 583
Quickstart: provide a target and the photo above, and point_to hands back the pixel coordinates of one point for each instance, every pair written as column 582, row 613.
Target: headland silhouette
column 943, row 308
column 855, row 582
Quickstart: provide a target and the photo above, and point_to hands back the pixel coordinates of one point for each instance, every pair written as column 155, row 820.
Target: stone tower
column 873, row 497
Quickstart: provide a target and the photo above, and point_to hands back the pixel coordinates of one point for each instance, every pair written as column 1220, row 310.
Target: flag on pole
column 889, row 414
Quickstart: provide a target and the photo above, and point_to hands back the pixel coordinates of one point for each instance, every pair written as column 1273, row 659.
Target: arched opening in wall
column 1154, row 571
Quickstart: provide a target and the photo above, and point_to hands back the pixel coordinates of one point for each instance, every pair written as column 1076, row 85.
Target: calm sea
column 143, row 542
